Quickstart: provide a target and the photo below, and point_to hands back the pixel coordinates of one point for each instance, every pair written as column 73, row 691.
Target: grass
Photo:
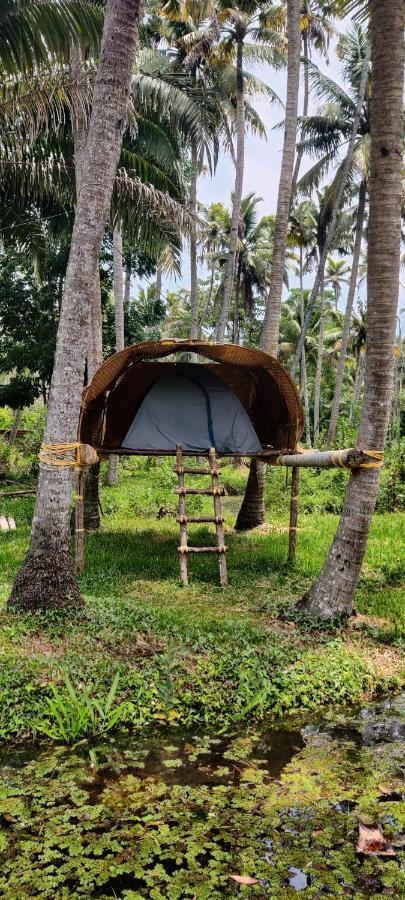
column 202, row 654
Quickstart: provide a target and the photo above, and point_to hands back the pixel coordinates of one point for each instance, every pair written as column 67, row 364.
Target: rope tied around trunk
column 377, row 456
column 339, row 459
column 67, row 456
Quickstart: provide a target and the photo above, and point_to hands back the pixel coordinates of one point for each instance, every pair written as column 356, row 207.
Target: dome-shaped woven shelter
column 241, row 401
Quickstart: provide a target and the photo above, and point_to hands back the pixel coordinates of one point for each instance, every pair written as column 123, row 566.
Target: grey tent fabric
column 192, row 407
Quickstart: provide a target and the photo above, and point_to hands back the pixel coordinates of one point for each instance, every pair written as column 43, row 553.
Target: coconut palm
column 325, row 132
column 271, row 323
column 252, row 509
column 336, row 272
column 350, row 124
column 46, row 578
column 32, row 32
column 316, row 31
column 302, row 234
column 333, row 590
column 238, row 21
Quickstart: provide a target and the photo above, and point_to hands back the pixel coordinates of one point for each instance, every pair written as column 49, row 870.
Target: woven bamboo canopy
column 259, row 382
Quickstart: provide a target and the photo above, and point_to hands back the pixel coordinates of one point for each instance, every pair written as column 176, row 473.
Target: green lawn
column 202, row 653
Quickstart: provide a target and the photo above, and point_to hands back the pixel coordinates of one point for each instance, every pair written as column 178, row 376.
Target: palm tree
column 358, row 340
column 361, row 211
column 34, row 32
column 325, row 133
column 252, row 510
column 302, row 233
column 46, row 578
column 118, row 285
column 271, row 323
column 351, row 125
column 332, row 592
column 340, row 243
column 336, row 272
column 239, row 19
column 316, row 30
column 255, row 247
column 194, row 38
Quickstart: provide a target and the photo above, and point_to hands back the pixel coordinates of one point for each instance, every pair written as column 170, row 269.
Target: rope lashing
column 67, row 456
column 339, row 459
column 377, row 456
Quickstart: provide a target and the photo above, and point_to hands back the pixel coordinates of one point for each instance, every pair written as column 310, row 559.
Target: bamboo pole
column 292, row 537
column 79, row 522
column 182, row 516
column 223, row 572
column 329, row 459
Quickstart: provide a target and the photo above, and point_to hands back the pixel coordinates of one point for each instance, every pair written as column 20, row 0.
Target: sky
column 263, row 161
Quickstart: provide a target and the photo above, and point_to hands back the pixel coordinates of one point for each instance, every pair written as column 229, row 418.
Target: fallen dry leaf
column 244, row 879
column 372, row 842
column 389, row 793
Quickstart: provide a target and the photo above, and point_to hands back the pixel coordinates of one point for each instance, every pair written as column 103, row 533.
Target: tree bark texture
column 252, row 511
column 118, row 278
column 335, row 211
column 80, row 124
column 271, row 326
column 158, row 283
column 304, row 378
column 358, row 383
column 193, row 246
column 230, row 267
column 319, row 361
column 337, row 395
column 333, row 590
column 305, row 105
column 47, row 577
column 14, row 427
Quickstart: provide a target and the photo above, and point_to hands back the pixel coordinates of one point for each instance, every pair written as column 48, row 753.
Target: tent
column 189, row 405
column 144, row 400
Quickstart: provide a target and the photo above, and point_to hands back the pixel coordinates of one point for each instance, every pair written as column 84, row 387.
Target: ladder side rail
column 223, row 571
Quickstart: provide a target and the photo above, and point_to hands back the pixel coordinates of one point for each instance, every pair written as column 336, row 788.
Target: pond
column 267, row 812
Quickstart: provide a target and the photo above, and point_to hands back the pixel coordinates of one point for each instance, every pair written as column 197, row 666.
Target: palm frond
column 32, row 30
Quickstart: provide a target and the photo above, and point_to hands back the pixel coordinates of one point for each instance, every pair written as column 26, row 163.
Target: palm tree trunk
column 118, row 277
column 47, row 578
column 127, row 285
column 271, row 326
column 300, row 150
column 237, row 195
column 358, row 382
column 337, row 396
column 91, row 505
column 304, row 378
column 14, row 427
column 333, row 590
column 158, row 284
column 318, row 374
column 193, row 246
column 335, row 211
column 252, row 510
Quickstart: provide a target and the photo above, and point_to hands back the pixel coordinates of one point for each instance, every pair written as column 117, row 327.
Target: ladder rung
column 189, row 470
column 221, row 549
column 212, row 492
column 183, row 520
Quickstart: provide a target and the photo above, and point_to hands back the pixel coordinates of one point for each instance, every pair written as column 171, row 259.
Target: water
column 175, row 814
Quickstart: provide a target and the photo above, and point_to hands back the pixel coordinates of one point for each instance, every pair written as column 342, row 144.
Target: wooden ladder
column 215, row 491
